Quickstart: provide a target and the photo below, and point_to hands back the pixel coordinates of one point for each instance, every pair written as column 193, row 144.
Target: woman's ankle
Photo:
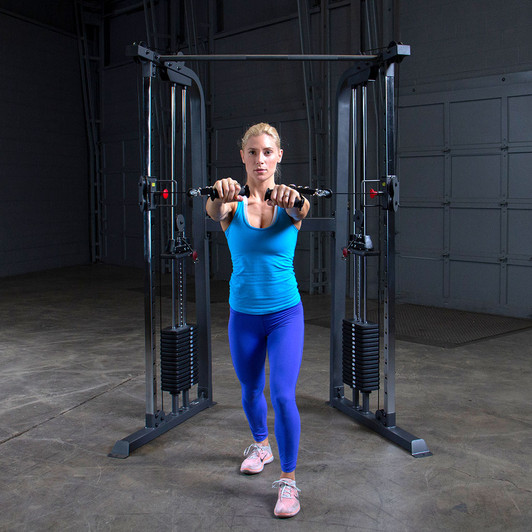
column 289, row 476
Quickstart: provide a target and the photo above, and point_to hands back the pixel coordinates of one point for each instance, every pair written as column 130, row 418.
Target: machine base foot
column 416, row 446
column 164, row 423
column 120, row 449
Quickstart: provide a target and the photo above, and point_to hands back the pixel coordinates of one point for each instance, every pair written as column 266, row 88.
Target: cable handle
column 213, row 193
column 307, row 191
column 298, row 203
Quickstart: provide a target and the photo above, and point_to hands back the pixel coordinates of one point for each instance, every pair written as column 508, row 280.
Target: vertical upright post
column 184, row 119
column 149, row 281
column 341, row 236
column 198, row 170
column 182, row 299
column 355, row 204
column 355, row 198
column 173, row 192
column 181, row 264
column 175, row 288
column 389, row 277
column 364, row 260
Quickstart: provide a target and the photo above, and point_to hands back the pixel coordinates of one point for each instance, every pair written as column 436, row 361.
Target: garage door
column 465, row 223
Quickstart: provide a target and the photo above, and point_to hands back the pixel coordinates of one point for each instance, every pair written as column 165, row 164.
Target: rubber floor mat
column 442, row 327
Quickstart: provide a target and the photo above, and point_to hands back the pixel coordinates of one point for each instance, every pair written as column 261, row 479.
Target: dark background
column 69, row 153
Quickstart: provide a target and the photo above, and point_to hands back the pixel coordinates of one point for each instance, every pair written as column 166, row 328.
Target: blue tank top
column 263, row 279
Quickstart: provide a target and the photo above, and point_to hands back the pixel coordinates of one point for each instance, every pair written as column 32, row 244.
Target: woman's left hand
column 283, row 196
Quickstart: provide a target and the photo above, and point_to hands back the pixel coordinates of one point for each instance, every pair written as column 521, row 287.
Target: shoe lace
column 286, row 488
column 254, row 448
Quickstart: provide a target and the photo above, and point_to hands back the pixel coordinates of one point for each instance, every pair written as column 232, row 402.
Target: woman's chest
column 260, row 215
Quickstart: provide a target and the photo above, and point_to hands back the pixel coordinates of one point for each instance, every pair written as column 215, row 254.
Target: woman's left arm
column 285, row 197
column 299, row 214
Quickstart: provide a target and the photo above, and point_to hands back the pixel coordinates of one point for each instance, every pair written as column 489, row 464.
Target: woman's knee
column 252, row 394
column 283, row 401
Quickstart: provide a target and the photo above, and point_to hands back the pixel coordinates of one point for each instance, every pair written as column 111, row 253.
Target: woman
column 266, row 314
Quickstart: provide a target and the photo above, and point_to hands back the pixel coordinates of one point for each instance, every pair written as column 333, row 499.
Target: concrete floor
column 72, row 383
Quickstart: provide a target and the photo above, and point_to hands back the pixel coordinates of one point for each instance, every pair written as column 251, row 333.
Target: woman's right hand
column 228, row 190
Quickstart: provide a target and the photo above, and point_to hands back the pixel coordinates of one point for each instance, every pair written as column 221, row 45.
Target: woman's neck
column 258, row 188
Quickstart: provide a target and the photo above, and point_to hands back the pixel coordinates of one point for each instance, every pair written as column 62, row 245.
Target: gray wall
column 43, row 161
column 457, row 39
column 465, row 146
column 122, row 240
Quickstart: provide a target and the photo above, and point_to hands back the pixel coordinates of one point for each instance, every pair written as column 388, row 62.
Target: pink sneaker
column 288, row 500
column 257, row 456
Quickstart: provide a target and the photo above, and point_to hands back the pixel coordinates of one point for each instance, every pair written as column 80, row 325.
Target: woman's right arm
column 223, row 206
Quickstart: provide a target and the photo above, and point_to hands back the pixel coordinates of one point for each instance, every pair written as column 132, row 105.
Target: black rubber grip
column 298, row 203
column 213, row 193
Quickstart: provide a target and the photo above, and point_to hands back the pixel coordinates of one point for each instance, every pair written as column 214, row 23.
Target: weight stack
column 360, row 350
column 179, row 358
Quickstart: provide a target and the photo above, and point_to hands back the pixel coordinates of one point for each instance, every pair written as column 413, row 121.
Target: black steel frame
column 157, row 421
column 365, row 68
column 383, row 420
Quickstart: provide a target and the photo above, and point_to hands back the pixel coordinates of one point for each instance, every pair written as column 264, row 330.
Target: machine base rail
column 416, row 446
column 166, row 422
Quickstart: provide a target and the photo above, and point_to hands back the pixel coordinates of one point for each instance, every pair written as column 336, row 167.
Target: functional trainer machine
column 357, row 345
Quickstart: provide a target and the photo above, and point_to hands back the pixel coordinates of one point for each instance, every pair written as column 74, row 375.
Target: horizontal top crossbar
column 267, row 57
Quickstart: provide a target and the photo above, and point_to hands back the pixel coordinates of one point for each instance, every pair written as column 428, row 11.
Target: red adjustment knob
column 165, row 193
column 194, row 255
column 345, row 252
column 373, row 193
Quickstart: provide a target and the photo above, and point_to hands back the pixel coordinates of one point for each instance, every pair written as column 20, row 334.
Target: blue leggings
column 281, row 334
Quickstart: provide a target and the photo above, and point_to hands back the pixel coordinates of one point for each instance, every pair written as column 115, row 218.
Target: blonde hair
column 261, row 129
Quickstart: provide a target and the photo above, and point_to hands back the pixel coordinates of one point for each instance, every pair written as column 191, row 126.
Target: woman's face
column 260, row 156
